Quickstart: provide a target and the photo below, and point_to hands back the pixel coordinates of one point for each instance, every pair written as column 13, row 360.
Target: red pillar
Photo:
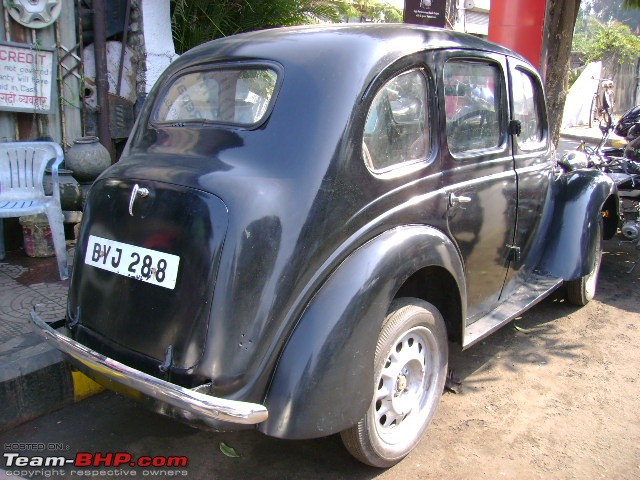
column 518, row 25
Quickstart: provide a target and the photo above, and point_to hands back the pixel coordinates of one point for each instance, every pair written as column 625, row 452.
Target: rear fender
column 581, row 199
column 323, row 382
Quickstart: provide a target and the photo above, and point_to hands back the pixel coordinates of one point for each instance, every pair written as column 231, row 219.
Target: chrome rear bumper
column 193, row 405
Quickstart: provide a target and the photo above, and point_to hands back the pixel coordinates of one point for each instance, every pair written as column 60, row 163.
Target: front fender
column 581, row 197
column 323, row 382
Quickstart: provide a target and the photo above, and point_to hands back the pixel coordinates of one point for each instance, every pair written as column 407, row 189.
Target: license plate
column 144, row 264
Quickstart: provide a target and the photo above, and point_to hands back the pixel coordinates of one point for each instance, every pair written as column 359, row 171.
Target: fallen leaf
column 228, row 451
column 520, row 329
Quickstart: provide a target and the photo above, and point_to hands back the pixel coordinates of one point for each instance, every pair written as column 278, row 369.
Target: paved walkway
column 34, row 379
column 591, row 135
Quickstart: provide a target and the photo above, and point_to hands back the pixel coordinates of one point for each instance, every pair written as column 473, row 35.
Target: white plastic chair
column 22, row 166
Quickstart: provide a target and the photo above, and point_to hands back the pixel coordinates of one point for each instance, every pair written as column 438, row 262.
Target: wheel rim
column 405, row 391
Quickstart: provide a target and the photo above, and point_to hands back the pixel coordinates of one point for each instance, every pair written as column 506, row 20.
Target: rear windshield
column 235, row 96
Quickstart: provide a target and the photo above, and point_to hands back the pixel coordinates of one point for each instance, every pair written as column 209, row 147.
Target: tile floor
column 25, row 282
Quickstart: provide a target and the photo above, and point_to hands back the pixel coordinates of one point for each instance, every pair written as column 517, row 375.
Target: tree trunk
column 559, row 23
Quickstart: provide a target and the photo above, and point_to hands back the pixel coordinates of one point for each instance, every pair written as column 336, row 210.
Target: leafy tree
column 610, row 10
column 631, row 4
column 194, row 23
column 610, row 43
column 373, row 10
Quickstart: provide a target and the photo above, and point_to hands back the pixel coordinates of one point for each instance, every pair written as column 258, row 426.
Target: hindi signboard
column 27, row 78
column 425, row 12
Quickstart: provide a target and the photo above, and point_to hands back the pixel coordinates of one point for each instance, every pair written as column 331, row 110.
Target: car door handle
column 136, row 192
column 455, row 199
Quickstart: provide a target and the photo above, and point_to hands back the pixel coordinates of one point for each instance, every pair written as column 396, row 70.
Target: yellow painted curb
column 83, row 386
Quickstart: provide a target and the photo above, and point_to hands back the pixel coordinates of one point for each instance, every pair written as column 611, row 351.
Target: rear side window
column 236, row 96
column 397, row 127
column 526, row 109
column 472, row 99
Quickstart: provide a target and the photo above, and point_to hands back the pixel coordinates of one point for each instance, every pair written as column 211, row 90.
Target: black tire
column 582, row 290
column 410, row 371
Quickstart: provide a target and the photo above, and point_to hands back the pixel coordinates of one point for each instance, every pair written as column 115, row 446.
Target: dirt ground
column 555, row 395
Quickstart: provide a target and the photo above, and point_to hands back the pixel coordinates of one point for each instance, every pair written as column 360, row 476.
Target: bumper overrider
column 185, row 403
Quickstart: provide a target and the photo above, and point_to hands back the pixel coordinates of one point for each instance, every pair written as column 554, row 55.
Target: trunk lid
column 145, row 271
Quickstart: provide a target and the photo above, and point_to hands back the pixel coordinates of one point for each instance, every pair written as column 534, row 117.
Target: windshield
column 237, row 96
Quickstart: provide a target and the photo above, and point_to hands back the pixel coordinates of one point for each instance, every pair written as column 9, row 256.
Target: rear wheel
column 410, row 372
column 582, row 290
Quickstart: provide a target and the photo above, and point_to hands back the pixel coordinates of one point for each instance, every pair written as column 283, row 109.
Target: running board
column 537, row 288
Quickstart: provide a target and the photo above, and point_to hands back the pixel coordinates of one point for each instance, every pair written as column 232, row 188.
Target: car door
column 533, row 166
column 478, row 172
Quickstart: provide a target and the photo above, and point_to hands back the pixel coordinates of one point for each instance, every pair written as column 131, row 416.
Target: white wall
column 158, row 39
column 578, row 103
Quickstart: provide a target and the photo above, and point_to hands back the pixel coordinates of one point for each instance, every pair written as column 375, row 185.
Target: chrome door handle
column 136, row 192
column 455, row 199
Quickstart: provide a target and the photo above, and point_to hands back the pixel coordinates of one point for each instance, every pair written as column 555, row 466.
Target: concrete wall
column 158, row 39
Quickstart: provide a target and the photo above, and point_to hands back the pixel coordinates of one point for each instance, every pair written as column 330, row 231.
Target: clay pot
column 70, row 193
column 87, row 158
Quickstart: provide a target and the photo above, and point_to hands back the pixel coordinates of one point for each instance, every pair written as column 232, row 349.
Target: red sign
column 425, row 12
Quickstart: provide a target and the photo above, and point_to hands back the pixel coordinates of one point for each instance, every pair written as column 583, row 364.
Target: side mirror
column 574, row 160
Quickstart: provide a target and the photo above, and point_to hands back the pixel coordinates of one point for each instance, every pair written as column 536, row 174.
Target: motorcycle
column 622, row 165
column 626, row 175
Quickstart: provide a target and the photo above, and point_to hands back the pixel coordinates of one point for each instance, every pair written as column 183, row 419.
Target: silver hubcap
column 405, row 380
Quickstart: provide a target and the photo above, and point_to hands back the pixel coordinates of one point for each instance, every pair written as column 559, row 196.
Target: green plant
column 194, row 23
column 573, row 76
column 612, row 42
column 377, row 11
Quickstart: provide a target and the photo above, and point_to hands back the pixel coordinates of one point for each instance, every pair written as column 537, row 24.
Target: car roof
column 365, row 44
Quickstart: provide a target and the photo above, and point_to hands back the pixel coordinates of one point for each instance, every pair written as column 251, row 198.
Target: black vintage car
column 302, row 220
